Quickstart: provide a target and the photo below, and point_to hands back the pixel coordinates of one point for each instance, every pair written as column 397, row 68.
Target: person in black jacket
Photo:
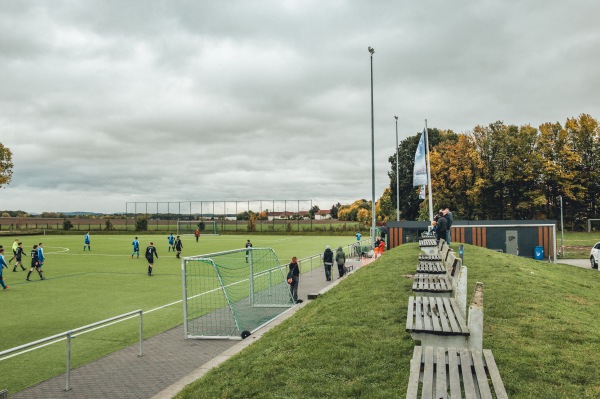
column 294, row 275
column 19, row 255
column 178, row 246
column 448, row 216
column 328, row 262
column 441, row 227
column 150, row 254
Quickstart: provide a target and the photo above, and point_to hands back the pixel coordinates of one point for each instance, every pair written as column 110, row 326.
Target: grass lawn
column 541, row 322
column 85, row 287
column 578, row 244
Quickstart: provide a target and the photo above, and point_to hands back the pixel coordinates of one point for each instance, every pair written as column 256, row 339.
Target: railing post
column 68, row 383
column 141, row 334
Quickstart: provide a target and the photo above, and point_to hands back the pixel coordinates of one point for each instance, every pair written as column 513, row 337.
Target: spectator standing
column 328, row 262
column 150, row 254
column 294, row 279
column 449, row 219
column 441, row 226
column 340, row 259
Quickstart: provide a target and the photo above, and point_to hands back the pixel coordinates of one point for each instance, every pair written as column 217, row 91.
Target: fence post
column 68, row 385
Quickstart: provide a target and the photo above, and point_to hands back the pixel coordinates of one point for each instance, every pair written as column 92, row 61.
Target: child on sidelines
column 2, row 266
column 18, row 256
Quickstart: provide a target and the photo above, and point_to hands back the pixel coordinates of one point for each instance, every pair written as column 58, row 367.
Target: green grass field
column 85, row 287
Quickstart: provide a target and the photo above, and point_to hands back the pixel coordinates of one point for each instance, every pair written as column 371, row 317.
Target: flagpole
column 428, row 173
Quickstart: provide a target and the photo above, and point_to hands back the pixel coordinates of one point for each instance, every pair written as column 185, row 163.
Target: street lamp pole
column 397, row 185
column 373, row 207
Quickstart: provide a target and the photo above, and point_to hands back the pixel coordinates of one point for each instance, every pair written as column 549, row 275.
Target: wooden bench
column 432, row 283
column 428, row 242
column 451, row 373
column 442, row 321
column 430, row 258
column 431, row 267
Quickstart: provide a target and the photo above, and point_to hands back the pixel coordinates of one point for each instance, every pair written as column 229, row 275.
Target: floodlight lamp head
column 396, row 118
column 371, row 50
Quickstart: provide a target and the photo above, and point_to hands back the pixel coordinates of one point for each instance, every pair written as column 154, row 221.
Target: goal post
column 206, row 227
column 231, row 294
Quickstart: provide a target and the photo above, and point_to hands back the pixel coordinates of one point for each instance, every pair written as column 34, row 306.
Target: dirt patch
column 577, row 300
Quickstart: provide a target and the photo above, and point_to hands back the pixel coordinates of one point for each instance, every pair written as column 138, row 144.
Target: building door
column 512, row 242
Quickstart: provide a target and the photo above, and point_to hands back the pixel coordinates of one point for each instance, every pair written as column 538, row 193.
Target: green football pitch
column 82, row 288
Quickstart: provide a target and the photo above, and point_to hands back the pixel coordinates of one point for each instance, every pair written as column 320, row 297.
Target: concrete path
column 169, row 363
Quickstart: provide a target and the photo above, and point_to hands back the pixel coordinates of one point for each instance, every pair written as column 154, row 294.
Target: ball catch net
column 231, row 294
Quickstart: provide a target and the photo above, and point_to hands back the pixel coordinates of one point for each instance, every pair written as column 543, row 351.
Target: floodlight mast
column 397, row 186
column 373, row 207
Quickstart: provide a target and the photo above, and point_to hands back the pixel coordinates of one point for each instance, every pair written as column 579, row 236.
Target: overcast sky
column 105, row 102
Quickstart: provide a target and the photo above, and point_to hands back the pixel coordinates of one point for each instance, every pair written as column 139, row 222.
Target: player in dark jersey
column 248, row 245
column 178, row 246
column 35, row 263
column 18, row 257
column 150, row 254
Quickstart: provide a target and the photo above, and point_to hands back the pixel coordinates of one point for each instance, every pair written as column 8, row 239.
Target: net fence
column 233, row 293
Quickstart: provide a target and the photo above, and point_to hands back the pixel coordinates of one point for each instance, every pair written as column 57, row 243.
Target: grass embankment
column 540, row 322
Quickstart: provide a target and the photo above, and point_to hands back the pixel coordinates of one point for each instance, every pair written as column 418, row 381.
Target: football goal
column 206, row 227
column 231, row 294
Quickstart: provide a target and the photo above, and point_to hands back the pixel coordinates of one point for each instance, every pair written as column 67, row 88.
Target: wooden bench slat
column 461, row 321
column 440, row 379
column 445, row 327
column 494, row 375
column 465, row 366
column 455, row 391
column 480, row 376
column 451, row 320
column 410, row 316
column 427, row 390
column 419, row 314
column 415, row 371
column 427, row 315
column 437, row 315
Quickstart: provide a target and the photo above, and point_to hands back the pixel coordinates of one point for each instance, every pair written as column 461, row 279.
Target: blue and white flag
column 422, row 192
column 420, row 171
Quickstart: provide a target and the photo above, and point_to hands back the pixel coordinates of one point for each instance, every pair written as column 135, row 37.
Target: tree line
column 504, row 172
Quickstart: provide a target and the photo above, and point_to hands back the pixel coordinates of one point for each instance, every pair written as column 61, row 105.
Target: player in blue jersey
column 171, row 239
column 2, row 266
column 86, row 241
column 136, row 248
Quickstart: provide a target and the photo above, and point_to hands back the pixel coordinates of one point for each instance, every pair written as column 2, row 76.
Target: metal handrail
column 68, row 335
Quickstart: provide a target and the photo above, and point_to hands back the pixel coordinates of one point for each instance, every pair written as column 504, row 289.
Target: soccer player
column 197, row 234
column 86, row 241
column 150, row 254
column 136, row 248
column 358, row 236
column 248, row 245
column 2, row 266
column 19, row 256
column 171, row 239
column 178, row 246
column 14, row 249
column 40, row 253
column 35, row 263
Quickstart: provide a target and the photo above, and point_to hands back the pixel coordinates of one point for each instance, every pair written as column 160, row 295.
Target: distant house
column 323, row 214
column 279, row 215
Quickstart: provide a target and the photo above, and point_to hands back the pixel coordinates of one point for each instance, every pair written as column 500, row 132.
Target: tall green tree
column 6, row 165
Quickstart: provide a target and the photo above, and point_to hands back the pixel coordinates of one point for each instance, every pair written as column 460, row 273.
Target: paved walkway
column 169, row 363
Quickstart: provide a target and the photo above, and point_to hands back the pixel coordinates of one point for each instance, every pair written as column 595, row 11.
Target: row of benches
column 450, row 362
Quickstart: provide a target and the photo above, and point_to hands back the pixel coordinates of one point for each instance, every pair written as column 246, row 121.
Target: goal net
column 231, row 294
column 206, row 227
